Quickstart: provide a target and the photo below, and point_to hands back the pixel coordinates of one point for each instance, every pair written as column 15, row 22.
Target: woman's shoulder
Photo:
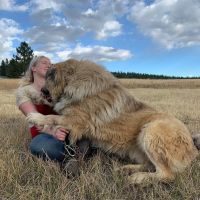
column 27, row 90
column 29, row 93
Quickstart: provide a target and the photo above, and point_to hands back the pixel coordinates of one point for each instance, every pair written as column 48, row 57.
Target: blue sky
column 145, row 36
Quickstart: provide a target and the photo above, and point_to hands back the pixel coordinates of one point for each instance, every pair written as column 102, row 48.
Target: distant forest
column 148, row 76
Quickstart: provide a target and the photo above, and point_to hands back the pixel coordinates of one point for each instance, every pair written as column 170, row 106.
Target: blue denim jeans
column 47, row 147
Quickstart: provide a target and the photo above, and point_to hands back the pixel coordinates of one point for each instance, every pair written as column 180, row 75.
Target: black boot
column 196, row 140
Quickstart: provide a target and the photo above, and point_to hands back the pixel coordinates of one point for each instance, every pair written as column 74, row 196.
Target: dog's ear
column 68, row 73
column 69, row 69
column 70, row 66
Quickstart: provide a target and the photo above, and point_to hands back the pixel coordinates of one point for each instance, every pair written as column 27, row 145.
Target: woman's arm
column 27, row 107
column 60, row 133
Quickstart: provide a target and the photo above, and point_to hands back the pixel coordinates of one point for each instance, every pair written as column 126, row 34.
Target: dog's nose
column 45, row 92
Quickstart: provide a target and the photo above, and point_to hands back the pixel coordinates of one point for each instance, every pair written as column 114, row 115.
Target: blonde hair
column 28, row 77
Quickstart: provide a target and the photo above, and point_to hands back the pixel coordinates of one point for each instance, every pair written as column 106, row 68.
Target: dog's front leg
column 39, row 119
column 75, row 127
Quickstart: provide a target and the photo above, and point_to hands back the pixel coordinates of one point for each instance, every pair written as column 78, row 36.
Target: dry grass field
column 24, row 177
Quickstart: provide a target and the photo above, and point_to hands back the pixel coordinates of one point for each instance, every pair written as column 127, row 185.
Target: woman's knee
column 47, row 147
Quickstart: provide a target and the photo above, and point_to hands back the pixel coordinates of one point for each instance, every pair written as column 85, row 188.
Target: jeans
column 47, row 147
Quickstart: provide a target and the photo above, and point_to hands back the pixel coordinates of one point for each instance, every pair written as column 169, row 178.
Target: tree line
column 148, row 76
column 17, row 66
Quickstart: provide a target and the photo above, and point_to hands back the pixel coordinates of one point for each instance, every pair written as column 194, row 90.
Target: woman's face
column 42, row 66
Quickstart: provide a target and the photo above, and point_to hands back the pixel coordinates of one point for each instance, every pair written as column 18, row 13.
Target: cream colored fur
column 92, row 103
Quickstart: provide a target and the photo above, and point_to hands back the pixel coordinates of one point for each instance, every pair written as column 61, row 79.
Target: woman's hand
column 61, row 133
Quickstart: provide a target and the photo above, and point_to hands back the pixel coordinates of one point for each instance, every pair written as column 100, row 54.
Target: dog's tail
column 196, row 140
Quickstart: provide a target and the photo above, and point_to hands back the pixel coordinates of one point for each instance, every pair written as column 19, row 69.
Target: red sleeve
column 34, row 131
column 45, row 110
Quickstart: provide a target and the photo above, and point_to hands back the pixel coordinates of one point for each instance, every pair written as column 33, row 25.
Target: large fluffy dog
column 92, row 103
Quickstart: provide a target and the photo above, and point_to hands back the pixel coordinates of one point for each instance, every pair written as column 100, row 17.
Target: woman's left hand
column 61, row 133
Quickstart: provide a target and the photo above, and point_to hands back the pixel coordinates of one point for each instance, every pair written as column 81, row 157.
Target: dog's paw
column 143, row 179
column 36, row 119
column 129, row 169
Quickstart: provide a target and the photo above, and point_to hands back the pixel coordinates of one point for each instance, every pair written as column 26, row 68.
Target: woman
column 51, row 143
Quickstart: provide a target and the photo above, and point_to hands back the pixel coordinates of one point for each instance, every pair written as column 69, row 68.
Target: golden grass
column 161, row 83
column 8, row 84
column 24, row 177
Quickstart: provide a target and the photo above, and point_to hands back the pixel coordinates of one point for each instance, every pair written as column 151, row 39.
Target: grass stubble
column 23, row 176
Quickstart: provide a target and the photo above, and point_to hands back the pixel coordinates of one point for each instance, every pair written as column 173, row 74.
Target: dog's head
column 75, row 80
column 57, row 78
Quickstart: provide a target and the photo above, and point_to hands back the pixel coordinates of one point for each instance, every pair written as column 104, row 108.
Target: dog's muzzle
column 46, row 95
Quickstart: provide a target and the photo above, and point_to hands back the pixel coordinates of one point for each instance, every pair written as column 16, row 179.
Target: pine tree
column 3, row 68
column 24, row 55
column 17, row 66
column 14, row 69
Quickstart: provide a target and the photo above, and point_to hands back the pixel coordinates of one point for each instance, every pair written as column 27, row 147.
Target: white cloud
column 172, row 23
column 52, row 38
column 95, row 53
column 89, row 12
column 39, row 5
column 110, row 28
column 113, row 7
column 9, row 30
column 44, row 53
column 98, row 17
column 59, row 24
column 10, row 5
column 102, row 19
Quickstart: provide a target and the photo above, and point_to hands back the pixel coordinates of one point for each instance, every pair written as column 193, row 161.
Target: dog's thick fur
column 92, row 103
